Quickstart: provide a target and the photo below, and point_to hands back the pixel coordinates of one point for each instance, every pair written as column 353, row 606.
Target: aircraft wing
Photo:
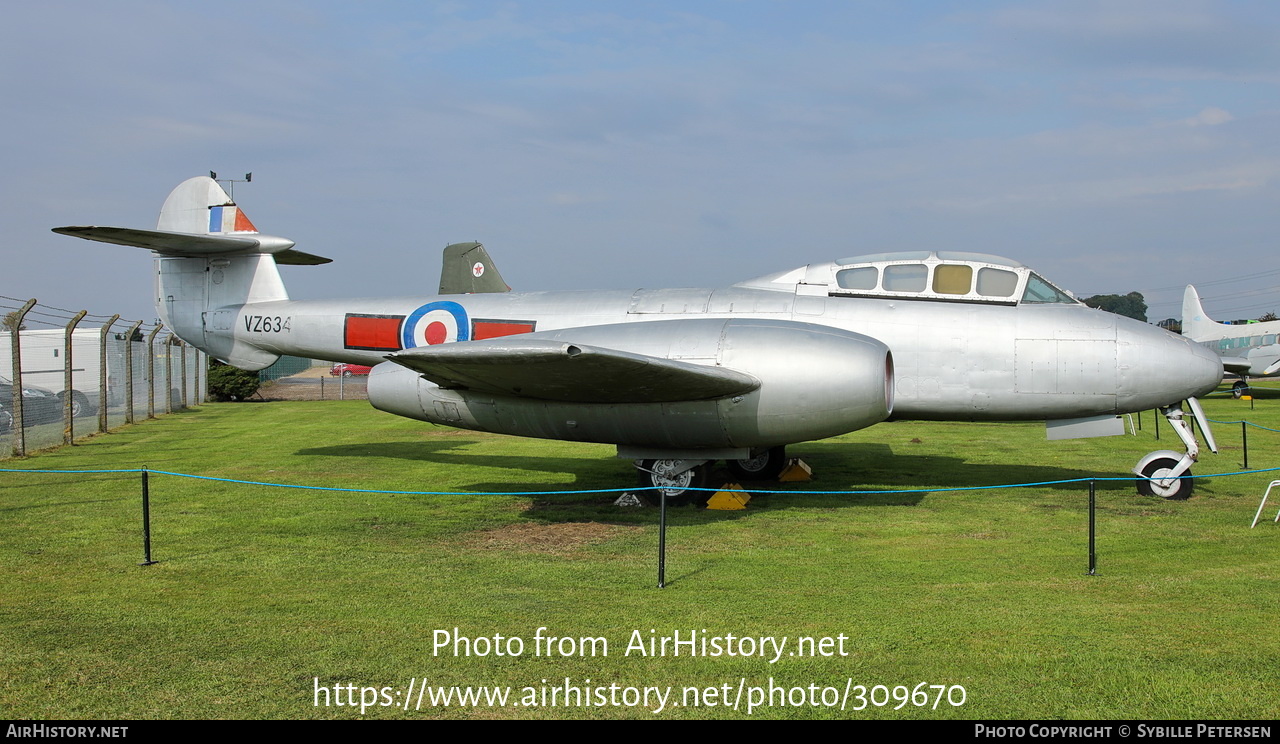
column 546, row 369
column 1236, row 365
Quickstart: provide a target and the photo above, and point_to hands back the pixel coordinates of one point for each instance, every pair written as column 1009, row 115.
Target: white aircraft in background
column 680, row 378
column 1248, row 350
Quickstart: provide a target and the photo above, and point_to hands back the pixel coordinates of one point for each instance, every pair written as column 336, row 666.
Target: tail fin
column 467, row 269
column 1196, row 324
column 211, row 260
column 199, row 205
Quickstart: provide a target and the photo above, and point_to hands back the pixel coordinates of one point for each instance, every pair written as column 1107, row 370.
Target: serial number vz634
column 267, row 323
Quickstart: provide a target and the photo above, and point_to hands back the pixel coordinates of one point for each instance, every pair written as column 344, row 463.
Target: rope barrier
column 1247, row 423
column 622, row 490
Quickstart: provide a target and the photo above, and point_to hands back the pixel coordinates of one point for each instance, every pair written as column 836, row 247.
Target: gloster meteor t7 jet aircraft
column 680, row 378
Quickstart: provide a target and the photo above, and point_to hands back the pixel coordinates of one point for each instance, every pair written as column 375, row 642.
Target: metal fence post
column 1093, row 554
column 202, row 380
column 15, row 338
column 146, row 521
column 68, row 385
column 128, row 371
column 168, row 373
column 183, row 358
column 102, row 374
column 151, row 371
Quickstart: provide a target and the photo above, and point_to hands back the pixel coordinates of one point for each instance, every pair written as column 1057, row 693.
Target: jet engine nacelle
column 814, row 382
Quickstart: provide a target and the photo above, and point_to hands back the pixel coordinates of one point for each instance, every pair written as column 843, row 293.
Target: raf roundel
column 435, row 323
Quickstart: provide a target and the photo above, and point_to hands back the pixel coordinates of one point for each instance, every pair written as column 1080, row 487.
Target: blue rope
column 130, row 470
column 1250, row 423
column 622, row 490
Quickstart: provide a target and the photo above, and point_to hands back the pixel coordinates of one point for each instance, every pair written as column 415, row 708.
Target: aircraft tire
column 766, row 466
column 1179, row 491
column 1239, row 388
column 656, row 474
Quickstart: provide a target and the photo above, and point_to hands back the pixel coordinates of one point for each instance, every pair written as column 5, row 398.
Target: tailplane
column 199, row 219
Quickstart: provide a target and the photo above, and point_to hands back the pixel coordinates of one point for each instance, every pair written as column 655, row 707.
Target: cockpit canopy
column 946, row 276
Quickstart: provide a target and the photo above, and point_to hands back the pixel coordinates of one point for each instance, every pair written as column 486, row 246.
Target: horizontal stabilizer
column 191, row 245
column 546, row 369
column 298, row 258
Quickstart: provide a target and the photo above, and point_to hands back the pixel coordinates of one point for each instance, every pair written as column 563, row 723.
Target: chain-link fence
column 294, row 378
column 60, row 381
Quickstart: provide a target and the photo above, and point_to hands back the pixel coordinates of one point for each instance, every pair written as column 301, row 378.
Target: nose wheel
column 1166, row 473
column 1158, row 480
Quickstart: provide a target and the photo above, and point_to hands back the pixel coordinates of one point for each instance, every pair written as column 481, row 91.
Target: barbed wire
column 65, row 315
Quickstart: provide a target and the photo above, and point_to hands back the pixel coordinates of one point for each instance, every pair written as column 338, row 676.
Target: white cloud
column 1209, row 117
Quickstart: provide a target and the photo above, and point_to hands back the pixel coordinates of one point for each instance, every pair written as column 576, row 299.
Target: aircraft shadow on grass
column 838, row 466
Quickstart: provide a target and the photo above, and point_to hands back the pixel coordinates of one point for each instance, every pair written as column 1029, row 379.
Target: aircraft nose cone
column 1204, row 369
column 1159, row 368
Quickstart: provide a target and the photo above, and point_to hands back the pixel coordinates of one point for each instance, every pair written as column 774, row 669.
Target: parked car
column 38, row 405
column 347, row 370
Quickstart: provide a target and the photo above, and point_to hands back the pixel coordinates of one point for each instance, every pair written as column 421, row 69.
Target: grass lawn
column 261, row 591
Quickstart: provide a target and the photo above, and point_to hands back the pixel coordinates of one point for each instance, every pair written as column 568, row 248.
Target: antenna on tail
column 231, row 183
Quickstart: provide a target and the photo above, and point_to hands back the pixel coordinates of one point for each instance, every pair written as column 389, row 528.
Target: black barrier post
column 1157, row 417
column 1093, row 557
column 1244, row 440
column 1139, row 420
column 146, row 520
column 662, row 538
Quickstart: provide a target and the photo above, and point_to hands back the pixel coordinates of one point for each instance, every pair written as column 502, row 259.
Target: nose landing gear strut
column 1166, row 473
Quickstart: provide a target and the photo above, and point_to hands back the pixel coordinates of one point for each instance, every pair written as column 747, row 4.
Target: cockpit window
column 952, row 279
column 905, row 277
column 996, row 282
column 860, row 278
column 930, row 276
column 1040, row 291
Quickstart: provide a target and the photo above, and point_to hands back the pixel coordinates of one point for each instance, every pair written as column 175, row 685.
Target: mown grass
column 261, row 590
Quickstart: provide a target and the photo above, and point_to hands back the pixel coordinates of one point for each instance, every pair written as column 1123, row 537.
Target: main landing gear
column 680, row 479
column 1166, row 473
column 677, row 480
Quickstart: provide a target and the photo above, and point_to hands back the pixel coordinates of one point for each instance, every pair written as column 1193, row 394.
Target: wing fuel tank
column 764, row 383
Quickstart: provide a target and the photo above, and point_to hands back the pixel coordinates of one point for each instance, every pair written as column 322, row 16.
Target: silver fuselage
column 953, row 360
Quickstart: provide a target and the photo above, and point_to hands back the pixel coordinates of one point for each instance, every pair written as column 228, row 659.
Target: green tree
column 231, row 383
column 1132, row 305
column 1268, row 317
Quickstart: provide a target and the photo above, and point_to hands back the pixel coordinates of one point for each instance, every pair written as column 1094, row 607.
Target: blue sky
column 1113, row 146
